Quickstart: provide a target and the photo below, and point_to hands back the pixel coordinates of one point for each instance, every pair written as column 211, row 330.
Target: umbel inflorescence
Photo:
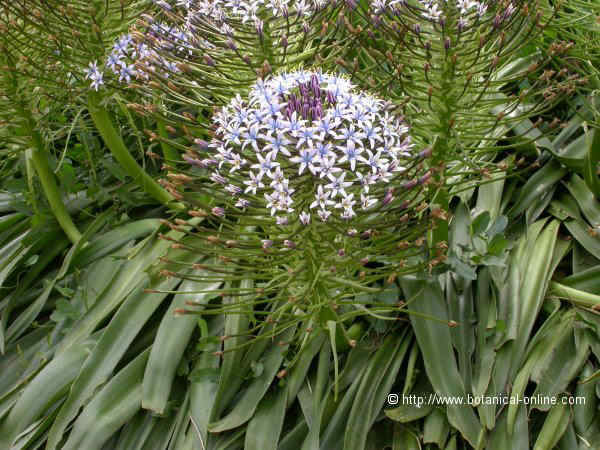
column 310, row 182
column 220, row 45
column 307, row 142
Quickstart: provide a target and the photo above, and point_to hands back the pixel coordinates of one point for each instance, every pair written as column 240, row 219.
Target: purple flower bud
column 282, row 220
column 364, row 261
column 289, row 244
column 305, row 111
column 447, row 43
column 366, row 234
column 424, row 178
column 231, row 45
column 209, row 162
column 314, row 84
column 331, row 98
column 352, row 232
column 201, row 143
column 218, row 211
column 341, row 252
column 267, row 243
column 417, row 28
column 409, row 184
column 209, row 61
column 218, row 178
column 233, row 189
column 193, row 161
column 497, row 21
column 425, row 153
column 284, row 42
column 317, row 112
column 351, row 4
column 259, row 26
column 242, row 203
column 164, row 5
column 305, row 27
column 388, row 197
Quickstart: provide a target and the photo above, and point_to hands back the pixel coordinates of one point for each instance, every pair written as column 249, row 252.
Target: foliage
column 125, row 323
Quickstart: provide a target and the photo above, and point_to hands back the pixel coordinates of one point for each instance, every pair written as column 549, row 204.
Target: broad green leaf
column 435, row 343
column 590, row 240
column 589, row 204
column 116, row 338
column 405, row 439
column 539, row 183
column 264, row 429
column 171, row 341
column 554, row 426
column 584, row 415
column 436, row 429
column 533, row 287
column 47, row 386
column 134, row 435
column 115, row 404
column 247, row 403
column 592, row 164
column 231, row 378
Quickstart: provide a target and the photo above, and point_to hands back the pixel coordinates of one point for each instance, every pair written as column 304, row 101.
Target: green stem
column 40, row 162
column 117, row 147
column 39, row 157
column 575, row 296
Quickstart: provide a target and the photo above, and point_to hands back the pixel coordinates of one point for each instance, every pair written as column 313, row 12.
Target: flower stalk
column 117, row 147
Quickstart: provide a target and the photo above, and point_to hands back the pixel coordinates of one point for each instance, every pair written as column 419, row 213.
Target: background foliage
column 97, row 351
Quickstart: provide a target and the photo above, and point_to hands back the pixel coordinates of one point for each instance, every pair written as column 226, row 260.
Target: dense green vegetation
column 140, row 308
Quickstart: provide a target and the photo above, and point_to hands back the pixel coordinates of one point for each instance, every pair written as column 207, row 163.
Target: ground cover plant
column 299, row 224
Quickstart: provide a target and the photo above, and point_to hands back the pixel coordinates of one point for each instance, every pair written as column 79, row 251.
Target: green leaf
column 592, row 165
column 109, row 409
column 257, row 368
column 408, row 412
column 435, row 343
column 580, row 231
column 113, row 344
column 539, row 183
column 171, row 340
column 554, row 426
column 246, row 405
column 265, row 427
column 46, row 388
column 590, row 206
column 480, row 223
column 435, row 429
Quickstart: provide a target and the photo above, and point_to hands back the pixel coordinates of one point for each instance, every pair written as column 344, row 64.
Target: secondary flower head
column 309, row 141
column 185, row 33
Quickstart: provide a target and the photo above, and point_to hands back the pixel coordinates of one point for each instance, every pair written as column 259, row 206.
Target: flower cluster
column 307, row 142
column 129, row 59
column 433, row 9
column 249, row 10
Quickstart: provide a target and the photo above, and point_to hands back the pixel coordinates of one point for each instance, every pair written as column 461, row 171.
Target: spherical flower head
column 305, row 142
